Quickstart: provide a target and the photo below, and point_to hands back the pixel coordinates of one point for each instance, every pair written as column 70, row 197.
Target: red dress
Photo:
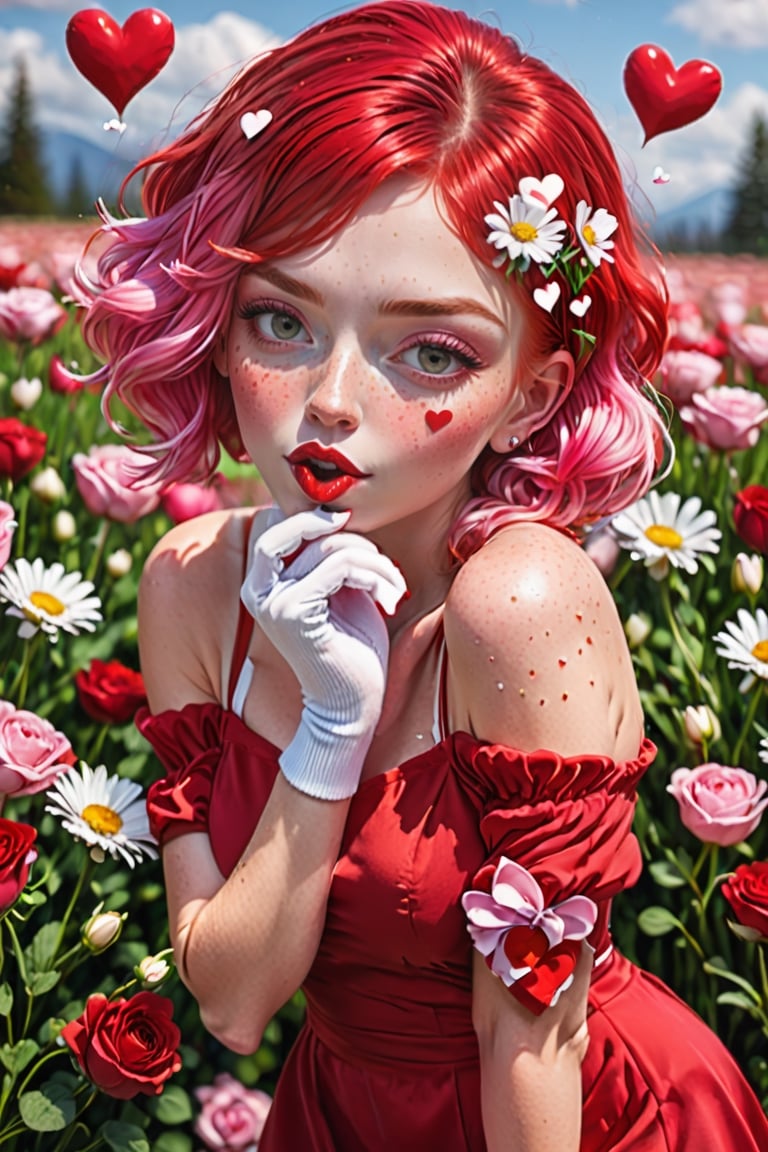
column 387, row 1060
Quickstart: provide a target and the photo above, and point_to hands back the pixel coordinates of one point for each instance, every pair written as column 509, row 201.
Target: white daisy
column 49, row 599
column 745, row 646
column 593, row 230
column 659, row 532
column 106, row 812
column 531, row 231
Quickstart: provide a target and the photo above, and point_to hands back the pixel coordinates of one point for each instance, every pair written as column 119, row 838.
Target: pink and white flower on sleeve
column 512, row 927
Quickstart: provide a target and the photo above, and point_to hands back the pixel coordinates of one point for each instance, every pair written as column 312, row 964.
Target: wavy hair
column 392, row 88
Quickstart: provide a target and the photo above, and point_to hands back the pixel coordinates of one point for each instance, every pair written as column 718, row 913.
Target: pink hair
column 401, row 87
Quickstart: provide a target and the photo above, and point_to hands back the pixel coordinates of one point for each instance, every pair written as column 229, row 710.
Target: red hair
column 401, row 87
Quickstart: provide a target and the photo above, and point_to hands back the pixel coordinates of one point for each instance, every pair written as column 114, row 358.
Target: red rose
column 750, row 515
column 16, row 856
column 21, row 448
column 747, row 893
column 109, row 692
column 126, row 1047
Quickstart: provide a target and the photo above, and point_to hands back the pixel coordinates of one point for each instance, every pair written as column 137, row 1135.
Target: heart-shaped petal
column 660, row 176
column 579, row 307
column 546, row 298
column 254, row 122
column 665, row 97
column 541, row 192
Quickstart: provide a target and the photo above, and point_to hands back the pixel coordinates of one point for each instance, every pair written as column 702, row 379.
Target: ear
column 219, row 355
column 535, row 401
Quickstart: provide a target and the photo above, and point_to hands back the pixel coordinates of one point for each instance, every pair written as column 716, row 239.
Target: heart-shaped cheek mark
column 437, row 420
column 254, row 122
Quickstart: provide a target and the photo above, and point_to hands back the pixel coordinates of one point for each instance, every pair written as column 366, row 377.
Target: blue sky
column 585, row 40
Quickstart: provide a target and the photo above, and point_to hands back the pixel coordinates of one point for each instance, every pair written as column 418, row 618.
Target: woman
column 395, row 267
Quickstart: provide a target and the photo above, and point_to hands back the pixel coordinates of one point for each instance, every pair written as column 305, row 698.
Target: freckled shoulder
column 188, row 605
column 537, row 656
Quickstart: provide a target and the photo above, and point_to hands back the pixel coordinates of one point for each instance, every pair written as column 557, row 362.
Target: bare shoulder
column 537, row 653
column 188, row 604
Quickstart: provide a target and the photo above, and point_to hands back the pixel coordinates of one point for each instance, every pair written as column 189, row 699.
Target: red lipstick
column 323, row 474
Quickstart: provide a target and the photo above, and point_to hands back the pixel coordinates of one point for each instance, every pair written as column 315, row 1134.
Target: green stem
column 703, row 687
column 85, row 873
column 749, row 720
column 101, row 543
column 18, row 690
column 37, row 1066
column 98, row 744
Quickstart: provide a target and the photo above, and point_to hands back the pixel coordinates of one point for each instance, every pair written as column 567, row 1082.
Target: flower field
column 100, row 1045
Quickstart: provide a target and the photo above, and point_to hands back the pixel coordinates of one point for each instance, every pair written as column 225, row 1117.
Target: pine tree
column 23, row 183
column 747, row 228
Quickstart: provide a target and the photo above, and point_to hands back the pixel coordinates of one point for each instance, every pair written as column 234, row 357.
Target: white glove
column 321, row 613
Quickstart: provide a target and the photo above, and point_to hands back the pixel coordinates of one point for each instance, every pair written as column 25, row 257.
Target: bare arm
column 245, row 944
column 538, row 660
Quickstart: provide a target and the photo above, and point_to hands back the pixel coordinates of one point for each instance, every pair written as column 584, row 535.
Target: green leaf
column 739, row 1000
column 172, row 1107
column 6, row 999
column 49, row 1110
column 40, row 982
column 39, row 954
column 172, row 1142
column 123, row 1137
column 665, row 874
column 656, row 921
column 15, row 1058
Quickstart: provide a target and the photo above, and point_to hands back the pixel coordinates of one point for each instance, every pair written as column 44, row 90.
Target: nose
column 334, row 399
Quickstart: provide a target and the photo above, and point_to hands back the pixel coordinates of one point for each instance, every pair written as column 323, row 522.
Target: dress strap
column 241, row 669
column 440, row 707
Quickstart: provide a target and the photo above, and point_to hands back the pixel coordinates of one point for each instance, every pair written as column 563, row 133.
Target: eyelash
column 467, row 357
column 251, row 309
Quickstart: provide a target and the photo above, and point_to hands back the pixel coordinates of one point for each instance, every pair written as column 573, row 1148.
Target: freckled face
column 370, row 372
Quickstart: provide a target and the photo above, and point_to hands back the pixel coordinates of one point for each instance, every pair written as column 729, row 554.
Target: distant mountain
column 101, row 170
column 704, row 215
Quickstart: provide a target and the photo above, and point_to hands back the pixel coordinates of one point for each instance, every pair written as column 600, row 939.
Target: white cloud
column 204, row 58
column 39, row 5
column 732, row 23
column 699, row 158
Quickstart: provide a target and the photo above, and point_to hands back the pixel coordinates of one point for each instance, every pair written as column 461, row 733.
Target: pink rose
column 727, row 418
column 29, row 314
column 185, row 501
column 32, row 752
column 232, row 1115
column 7, row 525
column 729, row 303
column 685, row 372
column 106, row 479
column 749, row 343
column 717, row 804
column 603, row 549
column 686, row 321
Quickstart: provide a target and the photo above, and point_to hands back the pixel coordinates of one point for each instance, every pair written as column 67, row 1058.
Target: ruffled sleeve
column 566, row 820
column 188, row 744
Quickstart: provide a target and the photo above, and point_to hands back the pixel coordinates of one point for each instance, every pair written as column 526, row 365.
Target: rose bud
column 64, row 526
column 48, row 486
column 153, row 970
column 747, row 574
column 637, row 629
column 701, row 724
column 101, row 930
column 750, row 517
column 119, row 563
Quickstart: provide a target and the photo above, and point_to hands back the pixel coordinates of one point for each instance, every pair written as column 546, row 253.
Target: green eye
column 433, row 359
column 284, row 326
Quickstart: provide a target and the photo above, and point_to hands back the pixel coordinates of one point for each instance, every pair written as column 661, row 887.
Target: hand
column 321, row 612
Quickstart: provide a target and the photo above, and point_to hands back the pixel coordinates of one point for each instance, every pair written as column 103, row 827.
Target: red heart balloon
column 119, row 61
column 665, row 97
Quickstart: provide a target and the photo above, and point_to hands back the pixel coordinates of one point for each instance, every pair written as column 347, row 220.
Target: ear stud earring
column 514, row 441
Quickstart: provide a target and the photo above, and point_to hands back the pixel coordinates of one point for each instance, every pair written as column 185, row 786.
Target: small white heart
column 254, row 122
column 546, row 298
column 579, row 307
column 115, row 126
column 660, row 176
column 541, row 192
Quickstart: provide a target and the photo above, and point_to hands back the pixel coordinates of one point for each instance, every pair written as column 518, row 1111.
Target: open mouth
column 323, row 474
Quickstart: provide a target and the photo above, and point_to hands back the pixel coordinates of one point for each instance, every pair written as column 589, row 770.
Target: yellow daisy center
column 589, row 234
column 523, row 231
column 760, row 651
column 664, row 536
column 47, row 603
column 101, row 819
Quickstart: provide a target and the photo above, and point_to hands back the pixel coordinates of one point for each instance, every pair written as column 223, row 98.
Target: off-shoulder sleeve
column 188, row 744
column 566, row 820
